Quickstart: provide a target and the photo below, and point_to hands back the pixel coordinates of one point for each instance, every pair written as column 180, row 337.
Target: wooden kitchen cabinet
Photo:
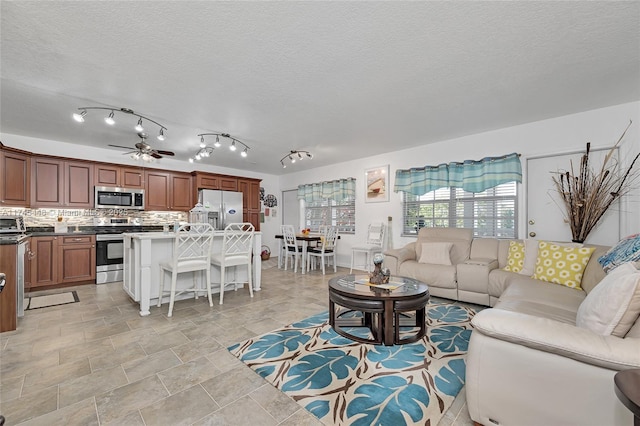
column 168, row 191
column 114, row 175
column 250, row 189
column 15, row 183
column 76, row 258
column 44, row 261
column 59, row 183
column 8, row 297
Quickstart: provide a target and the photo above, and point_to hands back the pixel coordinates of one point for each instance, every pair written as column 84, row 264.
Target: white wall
column 601, row 127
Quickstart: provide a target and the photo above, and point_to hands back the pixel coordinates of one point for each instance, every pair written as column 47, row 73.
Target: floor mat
column 37, row 302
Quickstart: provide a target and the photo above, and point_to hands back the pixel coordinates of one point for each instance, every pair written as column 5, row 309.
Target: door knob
column 532, row 222
column 532, row 234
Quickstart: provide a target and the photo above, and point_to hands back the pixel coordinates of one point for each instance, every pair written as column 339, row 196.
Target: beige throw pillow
column 436, row 253
column 614, row 304
column 530, row 256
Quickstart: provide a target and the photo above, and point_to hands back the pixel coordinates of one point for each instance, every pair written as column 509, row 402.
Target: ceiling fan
column 143, row 149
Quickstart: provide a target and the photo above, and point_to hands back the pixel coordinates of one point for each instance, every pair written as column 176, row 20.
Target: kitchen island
column 143, row 253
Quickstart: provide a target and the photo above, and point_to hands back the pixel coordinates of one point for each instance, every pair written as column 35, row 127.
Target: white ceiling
column 340, row 79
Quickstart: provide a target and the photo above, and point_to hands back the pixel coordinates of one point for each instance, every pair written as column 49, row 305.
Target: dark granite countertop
column 45, row 231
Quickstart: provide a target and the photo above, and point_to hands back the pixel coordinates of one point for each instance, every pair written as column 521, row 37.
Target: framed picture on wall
column 377, row 184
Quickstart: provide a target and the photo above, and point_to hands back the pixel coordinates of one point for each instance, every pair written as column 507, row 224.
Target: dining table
column 305, row 239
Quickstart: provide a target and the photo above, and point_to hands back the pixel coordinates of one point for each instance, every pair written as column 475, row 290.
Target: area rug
column 343, row 382
column 37, row 302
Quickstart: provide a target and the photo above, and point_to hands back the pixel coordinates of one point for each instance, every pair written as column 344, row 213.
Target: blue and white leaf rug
column 343, row 382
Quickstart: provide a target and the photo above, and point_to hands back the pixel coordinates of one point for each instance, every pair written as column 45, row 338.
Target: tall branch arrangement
column 587, row 193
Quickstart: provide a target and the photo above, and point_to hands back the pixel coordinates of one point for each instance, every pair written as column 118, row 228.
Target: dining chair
column 191, row 253
column 292, row 251
column 326, row 251
column 373, row 245
column 237, row 250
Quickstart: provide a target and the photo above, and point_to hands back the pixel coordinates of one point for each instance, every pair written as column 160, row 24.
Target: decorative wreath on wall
column 261, row 194
column 270, row 200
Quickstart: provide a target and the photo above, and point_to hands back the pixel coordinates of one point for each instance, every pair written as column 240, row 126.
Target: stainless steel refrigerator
column 223, row 207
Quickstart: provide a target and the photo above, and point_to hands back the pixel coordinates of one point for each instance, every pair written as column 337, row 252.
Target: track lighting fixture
column 110, row 120
column 206, row 150
column 294, row 155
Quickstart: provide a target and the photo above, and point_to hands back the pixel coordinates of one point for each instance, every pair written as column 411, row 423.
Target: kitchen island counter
column 144, row 251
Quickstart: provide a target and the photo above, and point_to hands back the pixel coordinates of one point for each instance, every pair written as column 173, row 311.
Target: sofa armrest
column 547, row 335
column 393, row 258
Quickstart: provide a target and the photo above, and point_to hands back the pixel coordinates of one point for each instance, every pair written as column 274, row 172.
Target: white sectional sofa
column 528, row 363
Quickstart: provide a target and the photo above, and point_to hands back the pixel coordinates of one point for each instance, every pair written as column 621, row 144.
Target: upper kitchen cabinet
column 114, row 175
column 59, row 183
column 250, row 189
column 168, row 191
column 15, row 185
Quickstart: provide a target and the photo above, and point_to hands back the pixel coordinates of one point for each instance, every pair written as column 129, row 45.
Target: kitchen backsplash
column 85, row 217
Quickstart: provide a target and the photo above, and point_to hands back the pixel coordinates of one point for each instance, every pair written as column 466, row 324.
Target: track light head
column 202, row 143
column 233, row 146
column 109, row 120
column 295, row 155
column 217, row 143
column 139, row 127
column 190, row 160
column 79, row 117
column 244, row 153
column 161, row 135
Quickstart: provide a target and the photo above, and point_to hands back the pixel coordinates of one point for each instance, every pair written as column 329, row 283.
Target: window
column 329, row 212
column 491, row 213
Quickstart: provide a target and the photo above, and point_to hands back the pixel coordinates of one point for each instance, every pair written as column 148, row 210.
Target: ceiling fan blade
column 155, row 155
column 159, row 151
column 120, row 146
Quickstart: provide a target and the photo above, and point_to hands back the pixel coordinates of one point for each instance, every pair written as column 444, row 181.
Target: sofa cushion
column 614, row 305
column 436, row 253
column 443, row 276
column 542, row 299
column 530, row 257
column 460, row 238
column 561, row 265
column 515, row 259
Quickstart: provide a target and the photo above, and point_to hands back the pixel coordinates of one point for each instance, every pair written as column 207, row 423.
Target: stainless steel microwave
column 109, row 197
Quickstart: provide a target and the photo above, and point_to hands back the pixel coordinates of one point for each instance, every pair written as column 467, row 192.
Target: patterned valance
column 470, row 175
column 337, row 190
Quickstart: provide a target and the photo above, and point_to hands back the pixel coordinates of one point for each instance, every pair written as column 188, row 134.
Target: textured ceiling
column 340, row 79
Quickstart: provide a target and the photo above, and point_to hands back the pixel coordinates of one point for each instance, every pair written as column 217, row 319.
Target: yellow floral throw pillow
column 561, row 264
column 515, row 260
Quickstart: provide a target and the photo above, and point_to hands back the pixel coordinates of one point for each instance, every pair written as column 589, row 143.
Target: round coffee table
column 382, row 310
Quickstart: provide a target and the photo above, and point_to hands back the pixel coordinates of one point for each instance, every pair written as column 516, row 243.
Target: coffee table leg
column 387, row 323
column 332, row 313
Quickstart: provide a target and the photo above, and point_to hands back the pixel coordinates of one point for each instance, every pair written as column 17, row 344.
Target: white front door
column 545, row 210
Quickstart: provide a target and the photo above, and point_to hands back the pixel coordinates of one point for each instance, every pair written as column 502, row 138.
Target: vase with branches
column 587, row 193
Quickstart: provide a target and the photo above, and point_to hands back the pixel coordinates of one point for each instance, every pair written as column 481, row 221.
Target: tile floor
column 97, row 362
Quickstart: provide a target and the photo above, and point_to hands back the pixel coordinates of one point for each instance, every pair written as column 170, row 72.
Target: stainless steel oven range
column 110, row 246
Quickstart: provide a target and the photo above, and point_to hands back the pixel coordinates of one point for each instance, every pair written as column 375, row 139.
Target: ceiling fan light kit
column 294, row 155
column 110, row 119
column 143, row 151
column 206, row 150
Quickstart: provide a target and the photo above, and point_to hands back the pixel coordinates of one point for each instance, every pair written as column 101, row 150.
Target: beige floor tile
column 224, row 361
column 134, row 418
column 30, row 406
column 10, row 388
column 301, row 418
column 231, row 385
column 106, row 331
column 85, row 350
column 55, row 343
column 132, row 336
column 73, row 391
column 184, row 376
column 196, row 348
column 114, row 357
column 81, row 413
column 276, row 403
column 182, row 408
column 45, row 377
column 162, row 341
column 118, row 403
column 18, row 364
column 149, row 365
column 242, row 412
